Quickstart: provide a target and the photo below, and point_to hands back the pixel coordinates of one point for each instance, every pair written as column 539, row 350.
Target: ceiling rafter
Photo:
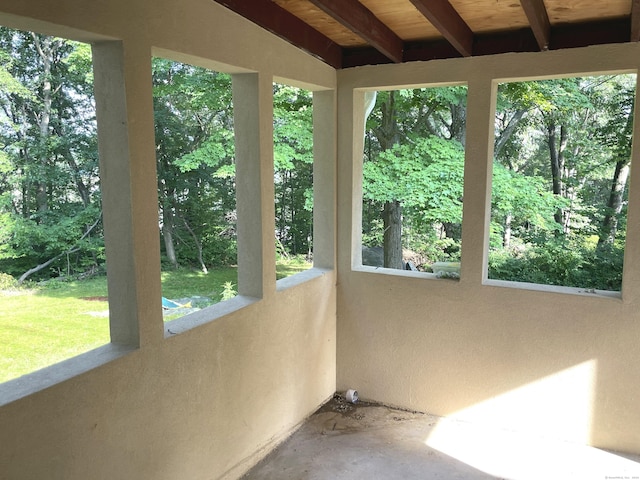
column 458, row 40
column 539, row 20
column 445, row 18
column 284, row 24
column 358, row 18
column 635, row 20
column 523, row 40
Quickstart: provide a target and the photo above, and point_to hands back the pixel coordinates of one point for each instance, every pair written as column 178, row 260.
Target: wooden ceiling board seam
column 403, row 18
column 489, row 16
column 580, row 11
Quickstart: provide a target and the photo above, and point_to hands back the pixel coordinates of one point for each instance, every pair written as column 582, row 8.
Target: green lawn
column 47, row 324
column 39, row 327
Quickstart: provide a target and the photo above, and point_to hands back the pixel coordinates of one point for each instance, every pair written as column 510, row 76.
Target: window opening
column 193, row 111
column 53, row 287
column 413, row 179
column 562, row 156
column 293, row 178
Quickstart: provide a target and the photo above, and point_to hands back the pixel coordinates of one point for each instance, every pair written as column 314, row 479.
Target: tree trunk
column 46, row 49
column 458, row 128
column 73, row 249
column 388, row 135
column 392, row 220
column 167, row 236
column 198, row 243
column 509, row 130
column 614, row 205
column 506, row 238
column 68, row 156
column 556, row 156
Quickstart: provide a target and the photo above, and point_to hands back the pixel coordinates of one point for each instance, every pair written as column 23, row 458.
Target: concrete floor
column 370, row 441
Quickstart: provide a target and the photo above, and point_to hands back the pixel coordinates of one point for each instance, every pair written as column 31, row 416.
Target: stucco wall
column 208, row 399
column 558, row 364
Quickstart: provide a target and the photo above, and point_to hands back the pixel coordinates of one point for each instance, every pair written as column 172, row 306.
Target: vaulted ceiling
column 347, row 33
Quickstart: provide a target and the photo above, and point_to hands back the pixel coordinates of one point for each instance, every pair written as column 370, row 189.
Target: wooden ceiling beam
column 522, row 40
column 359, row 19
column 287, row 26
column 450, row 24
column 635, row 20
column 539, row 20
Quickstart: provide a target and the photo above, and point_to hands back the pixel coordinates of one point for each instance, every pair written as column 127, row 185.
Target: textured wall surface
column 209, row 401
column 551, row 361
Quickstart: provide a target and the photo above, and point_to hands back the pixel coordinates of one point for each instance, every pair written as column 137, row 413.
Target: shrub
column 571, row 263
column 7, row 281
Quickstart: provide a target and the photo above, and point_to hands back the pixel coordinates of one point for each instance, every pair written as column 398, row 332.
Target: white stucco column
column 477, row 179
column 129, row 190
column 324, row 177
column 253, row 124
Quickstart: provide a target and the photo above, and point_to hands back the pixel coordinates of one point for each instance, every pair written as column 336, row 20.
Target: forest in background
column 559, row 191
column 562, row 153
column 50, row 205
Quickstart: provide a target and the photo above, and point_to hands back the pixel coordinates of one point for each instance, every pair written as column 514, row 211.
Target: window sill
column 402, row 273
column 586, row 292
column 206, row 315
column 47, row 377
column 300, row 278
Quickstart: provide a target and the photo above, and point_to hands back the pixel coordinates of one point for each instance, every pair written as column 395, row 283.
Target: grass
column 285, row 267
column 49, row 323
column 42, row 326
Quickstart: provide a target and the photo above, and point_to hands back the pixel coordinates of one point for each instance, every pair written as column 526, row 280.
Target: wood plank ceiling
column 348, row 33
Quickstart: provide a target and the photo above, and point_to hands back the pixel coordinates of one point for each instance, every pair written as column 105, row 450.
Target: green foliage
column 286, row 267
column 414, row 155
column 571, row 263
column 49, row 184
column 30, row 243
column 188, row 282
column 228, row 291
column 427, row 177
column 293, row 168
column 196, row 162
column 427, row 173
column 7, row 281
column 576, row 132
column 526, row 199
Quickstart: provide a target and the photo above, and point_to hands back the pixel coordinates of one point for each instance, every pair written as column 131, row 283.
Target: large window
column 196, row 185
column 293, row 178
column 53, row 287
column 413, row 179
column 562, row 157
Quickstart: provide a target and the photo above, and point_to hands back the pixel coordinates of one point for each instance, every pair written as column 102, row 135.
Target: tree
column 575, row 135
column 388, row 135
column 195, row 163
column 616, row 135
column 48, row 183
column 406, row 123
column 293, row 168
